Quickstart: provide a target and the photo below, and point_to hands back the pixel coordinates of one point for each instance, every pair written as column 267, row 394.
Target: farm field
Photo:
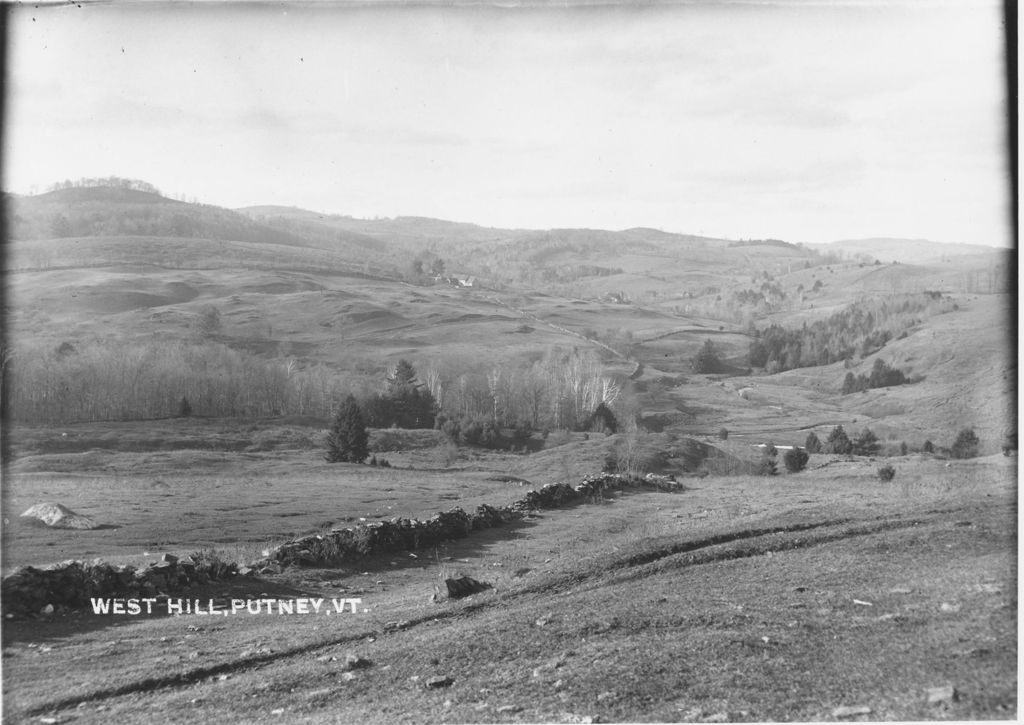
column 200, row 487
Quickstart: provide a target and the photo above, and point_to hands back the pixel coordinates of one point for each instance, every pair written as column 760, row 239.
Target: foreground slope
column 741, row 599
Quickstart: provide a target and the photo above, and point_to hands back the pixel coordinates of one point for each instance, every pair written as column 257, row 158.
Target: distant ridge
column 905, row 251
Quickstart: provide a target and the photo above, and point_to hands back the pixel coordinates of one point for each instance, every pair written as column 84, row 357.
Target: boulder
column 58, row 516
column 464, row 587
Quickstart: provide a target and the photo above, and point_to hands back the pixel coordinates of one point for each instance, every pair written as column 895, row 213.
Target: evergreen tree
column 348, row 440
column 402, row 378
column 928, row 447
column 184, row 408
column 813, row 444
column 405, row 402
column 838, row 441
column 866, row 443
column 706, row 361
column 966, row 444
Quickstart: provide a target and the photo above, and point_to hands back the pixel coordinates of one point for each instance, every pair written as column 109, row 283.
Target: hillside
column 906, row 251
column 688, row 607
column 173, row 370
column 327, row 292
column 113, row 211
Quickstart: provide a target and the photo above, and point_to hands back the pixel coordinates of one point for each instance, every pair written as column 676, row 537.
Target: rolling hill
column 171, row 369
column 315, row 289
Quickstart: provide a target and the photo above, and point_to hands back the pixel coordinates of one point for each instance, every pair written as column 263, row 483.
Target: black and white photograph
column 509, row 362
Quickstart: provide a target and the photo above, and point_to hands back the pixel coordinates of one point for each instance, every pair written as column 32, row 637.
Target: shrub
column 903, row 448
column 770, row 450
column 813, row 444
column 795, row 460
column 452, row 429
column 723, row 434
column 966, row 444
column 521, row 432
column 184, row 408
column 886, row 473
column 348, row 440
column 866, row 444
column 928, row 447
column 478, row 432
column 602, row 420
column 767, row 466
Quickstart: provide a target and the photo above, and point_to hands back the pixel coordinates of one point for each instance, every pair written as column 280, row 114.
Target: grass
column 178, row 500
column 789, row 599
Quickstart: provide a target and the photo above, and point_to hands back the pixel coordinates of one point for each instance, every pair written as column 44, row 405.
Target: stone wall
column 70, row 584
column 30, row 590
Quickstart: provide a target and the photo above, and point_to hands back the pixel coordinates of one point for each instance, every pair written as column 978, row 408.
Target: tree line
column 97, row 381
column 860, row 329
column 112, row 182
column 136, row 381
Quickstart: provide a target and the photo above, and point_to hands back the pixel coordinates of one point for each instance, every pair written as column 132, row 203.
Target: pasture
column 742, row 598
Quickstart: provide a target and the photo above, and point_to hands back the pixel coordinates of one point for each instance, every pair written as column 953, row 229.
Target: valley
column 173, row 370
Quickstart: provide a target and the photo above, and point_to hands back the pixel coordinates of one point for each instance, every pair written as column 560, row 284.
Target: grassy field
column 741, row 599
column 177, row 485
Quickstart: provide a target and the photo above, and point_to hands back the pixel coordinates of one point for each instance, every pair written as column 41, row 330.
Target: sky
column 808, row 121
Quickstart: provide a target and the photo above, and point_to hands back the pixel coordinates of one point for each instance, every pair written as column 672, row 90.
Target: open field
column 739, row 599
column 179, row 486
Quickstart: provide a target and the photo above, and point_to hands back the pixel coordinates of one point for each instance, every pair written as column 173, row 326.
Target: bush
column 886, row 473
column 767, row 467
column 866, row 444
column 966, row 444
column 184, row 408
column 723, row 434
column 813, row 444
column 928, row 447
column 796, row 460
column 348, row 440
column 903, row 448
column 602, row 420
